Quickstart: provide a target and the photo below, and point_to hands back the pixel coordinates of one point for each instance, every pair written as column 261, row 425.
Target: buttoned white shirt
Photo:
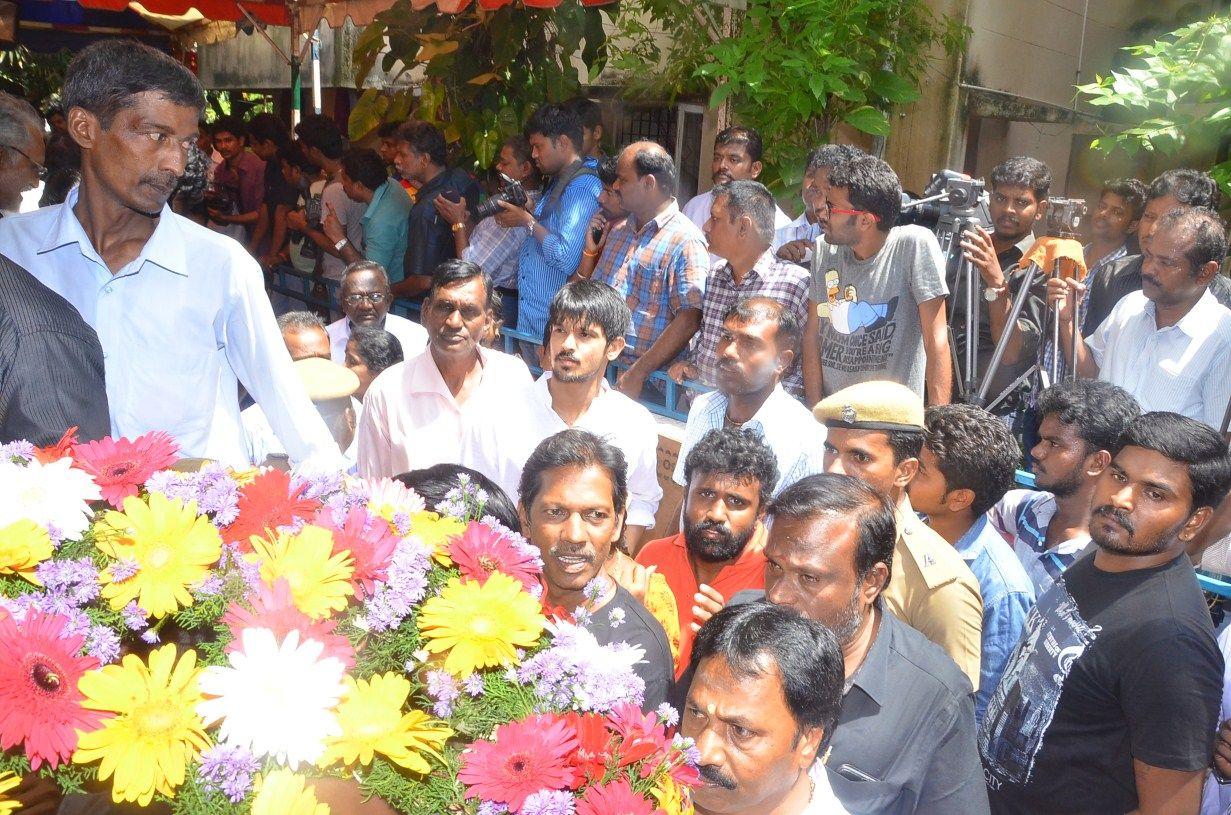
column 411, row 419
column 499, row 444
column 412, row 336
column 785, row 425
column 180, row 326
column 1184, row 368
column 800, row 229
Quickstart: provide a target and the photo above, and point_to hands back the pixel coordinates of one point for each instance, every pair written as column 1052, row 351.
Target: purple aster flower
column 549, row 802
column 442, row 687
column 616, row 617
column 228, row 769
column 668, row 714
column 576, row 673
column 151, row 637
column 209, row 587
column 473, row 684
column 319, row 485
column 123, row 570
column 492, row 808
column 213, row 488
column 75, row 582
column 103, row 644
column 20, row 449
column 402, row 523
column 395, row 598
column 134, row 616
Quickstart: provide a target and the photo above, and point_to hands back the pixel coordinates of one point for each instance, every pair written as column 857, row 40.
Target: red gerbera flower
column 593, row 744
column 481, row 551
column 266, row 504
column 59, row 450
column 273, row 608
column 120, row 466
column 526, row 756
column 370, row 541
column 641, row 734
column 616, row 798
column 39, row 701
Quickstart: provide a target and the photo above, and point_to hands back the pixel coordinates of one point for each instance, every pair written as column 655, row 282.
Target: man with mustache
column 416, row 413
column 1169, row 345
column 731, row 475
column 181, row 311
column 757, row 344
column 1080, row 424
column 762, row 708
column 1110, row 701
column 573, row 497
column 585, row 333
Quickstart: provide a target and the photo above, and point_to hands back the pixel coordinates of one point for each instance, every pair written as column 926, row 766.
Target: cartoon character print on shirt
column 862, row 332
column 1025, row 701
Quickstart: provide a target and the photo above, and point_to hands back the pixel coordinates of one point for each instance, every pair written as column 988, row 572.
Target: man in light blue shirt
column 386, row 219
column 757, row 344
column 967, row 464
column 181, row 312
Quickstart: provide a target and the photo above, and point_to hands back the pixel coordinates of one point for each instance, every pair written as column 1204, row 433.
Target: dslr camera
column 510, row 190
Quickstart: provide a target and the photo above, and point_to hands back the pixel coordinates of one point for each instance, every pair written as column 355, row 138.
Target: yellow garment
column 660, row 602
column 1047, row 252
column 933, row 591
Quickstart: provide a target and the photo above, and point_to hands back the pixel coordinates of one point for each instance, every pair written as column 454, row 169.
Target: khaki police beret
column 325, row 379
column 872, row 406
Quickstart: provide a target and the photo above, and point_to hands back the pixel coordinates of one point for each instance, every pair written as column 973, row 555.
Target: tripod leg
column 1055, row 336
column 1072, row 372
column 972, row 323
column 1019, row 302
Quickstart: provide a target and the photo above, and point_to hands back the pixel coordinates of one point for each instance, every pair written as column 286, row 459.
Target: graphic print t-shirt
column 1110, row 667
column 868, row 310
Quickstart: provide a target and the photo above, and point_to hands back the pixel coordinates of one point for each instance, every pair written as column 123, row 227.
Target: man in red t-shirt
column 731, row 474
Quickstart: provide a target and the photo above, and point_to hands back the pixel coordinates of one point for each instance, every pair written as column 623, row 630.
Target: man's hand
column 631, row 382
column 795, row 251
column 218, row 216
column 679, row 371
column 598, row 222
column 977, row 248
column 454, row 212
column 513, row 215
column 630, row 574
column 708, row 603
column 297, row 219
column 1062, row 292
column 1222, row 752
column 37, row 795
column 331, row 226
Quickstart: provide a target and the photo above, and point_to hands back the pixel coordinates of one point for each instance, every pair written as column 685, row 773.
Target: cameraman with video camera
column 489, row 244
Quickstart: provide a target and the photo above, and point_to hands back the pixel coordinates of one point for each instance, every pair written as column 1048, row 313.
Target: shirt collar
column 759, row 270
column 970, row 545
column 1197, row 323
column 761, row 417
column 540, row 387
column 378, row 195
column 425, row 375
column 165, row 247
column 661, row 219
column 872, row 676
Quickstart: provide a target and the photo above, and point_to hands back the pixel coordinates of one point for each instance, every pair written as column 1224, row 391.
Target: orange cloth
column 670, row 555
column 1047, row 252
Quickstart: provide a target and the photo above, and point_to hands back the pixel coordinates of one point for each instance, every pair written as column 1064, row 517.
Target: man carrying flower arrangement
column 574, row 495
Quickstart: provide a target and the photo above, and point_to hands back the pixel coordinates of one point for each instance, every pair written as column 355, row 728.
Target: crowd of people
column 857, row 609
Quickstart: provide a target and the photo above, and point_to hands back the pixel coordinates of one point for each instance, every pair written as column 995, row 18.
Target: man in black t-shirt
column 1110, row 701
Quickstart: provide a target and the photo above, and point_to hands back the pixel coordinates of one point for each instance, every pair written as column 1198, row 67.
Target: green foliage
column 376, row 653
column 502, row 701
column 193, row 799
column 795, row 70
column 71, row 778
column 1175, row 93
column 36, row 77
column 438, row 793
column 485, row 71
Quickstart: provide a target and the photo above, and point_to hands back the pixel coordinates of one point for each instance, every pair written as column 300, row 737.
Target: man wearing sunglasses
column 365, row 299
column 22, row 151
column 879, row 289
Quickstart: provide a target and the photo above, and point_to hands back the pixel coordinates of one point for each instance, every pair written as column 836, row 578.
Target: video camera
column 1064, row 216
column 510, row 190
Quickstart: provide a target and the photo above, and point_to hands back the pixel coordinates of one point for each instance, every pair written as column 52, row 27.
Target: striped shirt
column 546, row 265
column 494, row 248
column 771, row 277
column 659, row 269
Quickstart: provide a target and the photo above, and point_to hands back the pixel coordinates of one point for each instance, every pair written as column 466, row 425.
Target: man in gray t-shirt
column 879, row 289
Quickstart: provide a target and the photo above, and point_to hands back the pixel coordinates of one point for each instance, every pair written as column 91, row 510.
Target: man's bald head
column 646, row 179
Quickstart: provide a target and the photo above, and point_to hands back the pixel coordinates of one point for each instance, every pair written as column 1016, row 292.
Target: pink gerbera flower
column 526, row 756
column 266, row 504
column 39, row 701
column 121, row 466
column 370, row 541
column 481, row 551
column 642, row 735
column 616, row 798
column 272, row 607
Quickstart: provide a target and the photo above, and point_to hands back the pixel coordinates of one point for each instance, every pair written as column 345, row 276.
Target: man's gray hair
column 366, row 266
column 751, row 198
column 17, row 118
column 300, row 320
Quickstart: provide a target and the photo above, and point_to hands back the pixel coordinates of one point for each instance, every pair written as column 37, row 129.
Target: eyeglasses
column 39, row 169
column 373, row 297
column 833, row 211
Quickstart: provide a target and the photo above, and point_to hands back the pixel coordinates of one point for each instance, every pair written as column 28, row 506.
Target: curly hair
column 740, row 454
column 974, row 451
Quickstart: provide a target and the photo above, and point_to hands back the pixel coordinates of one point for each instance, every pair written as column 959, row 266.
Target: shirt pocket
column 171, row 389
column 865, row 797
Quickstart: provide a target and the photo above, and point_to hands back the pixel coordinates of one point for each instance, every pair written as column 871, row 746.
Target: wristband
column 589, row 254
column 458, row 227
column 338, row 246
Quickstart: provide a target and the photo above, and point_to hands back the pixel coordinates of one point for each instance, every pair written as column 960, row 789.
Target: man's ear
column 785, row 358
column 84, row 127
column 615, row 348
column 757, row 167
column 1206, row 271
column 808, row 747
column 1041, row 212
column 1098, row 462
column 1195, row 522
column 906, row 472
column 523, row 515
column 959, row 500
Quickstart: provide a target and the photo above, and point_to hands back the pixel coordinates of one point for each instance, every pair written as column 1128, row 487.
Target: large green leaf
column 367, row 114
column 868, row 119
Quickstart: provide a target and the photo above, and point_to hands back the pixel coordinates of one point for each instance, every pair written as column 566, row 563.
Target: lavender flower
column 75, row 582
column 549, row 802
column 228, row 769
column 103, row 644
column 17, row 450
column 576, row 673
column 473, row 685
column 209, row 587
column 442, row 687
column 319, row 485
column 395, row 598
column 668, row 714
column 213, row 488
column 492, row 808
column 123, row 570
column 616, row 617
column 151, row 637
column 692, row 755
column 134, row 616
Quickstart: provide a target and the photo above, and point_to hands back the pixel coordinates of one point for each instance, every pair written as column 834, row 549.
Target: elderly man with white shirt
column 1169, row 345
column 365, row 300
column 586, row 323
column 416, row 413
column 181, row 312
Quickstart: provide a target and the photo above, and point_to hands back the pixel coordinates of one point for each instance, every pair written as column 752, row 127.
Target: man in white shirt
column 365, row 300
column 181, row 312
column 416, row 413
column 1169, row 345
column 22, row 152
column 757, row 344
column 586, row 323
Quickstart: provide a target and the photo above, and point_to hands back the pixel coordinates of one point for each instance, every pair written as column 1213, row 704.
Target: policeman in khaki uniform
column 875, row 433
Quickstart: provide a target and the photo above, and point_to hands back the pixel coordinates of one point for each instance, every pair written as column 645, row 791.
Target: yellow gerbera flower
column 155, row 732
column 171, row 546
column 671, row 798
column 481, row 625
column 373, row 722
column 437, row 532
column 7, row 782
column 319, row 580
column 283, row 792
column 23, row 545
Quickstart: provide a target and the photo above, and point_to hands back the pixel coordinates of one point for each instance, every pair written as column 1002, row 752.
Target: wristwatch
column 991, row 295
column 338, row 246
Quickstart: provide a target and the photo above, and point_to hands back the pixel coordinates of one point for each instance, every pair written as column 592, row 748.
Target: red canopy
column 273, row 13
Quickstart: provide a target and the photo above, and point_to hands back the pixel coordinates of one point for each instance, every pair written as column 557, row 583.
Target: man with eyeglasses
column 22, row 152
column 365, row 300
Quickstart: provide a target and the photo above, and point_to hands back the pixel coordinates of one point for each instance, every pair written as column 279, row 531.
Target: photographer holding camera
column 489, row 244
column 386, row 207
